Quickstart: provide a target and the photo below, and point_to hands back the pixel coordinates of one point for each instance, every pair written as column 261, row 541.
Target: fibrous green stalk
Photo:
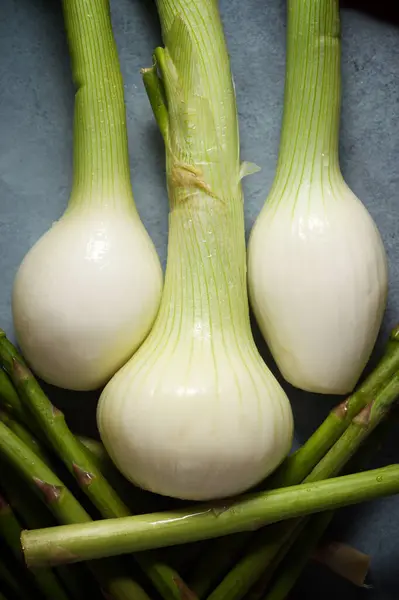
column 65, row 508
column 192, row 96
column 312, row 98
column 101, row 161
column 269, row 542
column 10, row 531
column 119, row 536
column 79, row 461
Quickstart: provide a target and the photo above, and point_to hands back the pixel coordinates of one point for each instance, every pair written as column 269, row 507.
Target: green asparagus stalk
column 269, row 541
column 13, row 584
column 79, row 462
column 59, row 545
column 10, row 531
column 66, row 509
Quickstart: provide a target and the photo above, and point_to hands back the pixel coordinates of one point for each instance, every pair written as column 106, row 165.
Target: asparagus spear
column 65, row 509
column 10, row 531
column 59, row 545
column 270, row 541
column 79, row 462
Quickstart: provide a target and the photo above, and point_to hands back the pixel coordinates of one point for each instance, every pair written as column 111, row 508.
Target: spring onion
column 196, row 414
column 316, row 264
column 87, row 293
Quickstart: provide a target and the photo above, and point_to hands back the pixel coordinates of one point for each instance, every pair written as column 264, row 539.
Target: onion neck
column 101, row 162
column 193, row 98
column 202, row 132
column 205, row 293
column 309, row 140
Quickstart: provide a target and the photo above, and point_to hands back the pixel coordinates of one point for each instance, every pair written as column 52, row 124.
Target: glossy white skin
column 86, row 296
column 178, row 423
column 318, row 283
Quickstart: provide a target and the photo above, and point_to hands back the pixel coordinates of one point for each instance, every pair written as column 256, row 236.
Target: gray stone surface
column 36, row 103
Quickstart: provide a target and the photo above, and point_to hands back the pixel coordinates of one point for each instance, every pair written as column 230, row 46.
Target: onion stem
column 101, row 160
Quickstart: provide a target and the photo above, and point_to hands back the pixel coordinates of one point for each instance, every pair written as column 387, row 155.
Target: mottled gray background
column 36, row 104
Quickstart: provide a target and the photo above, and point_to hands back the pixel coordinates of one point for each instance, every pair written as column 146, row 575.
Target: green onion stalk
column 79, row 461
